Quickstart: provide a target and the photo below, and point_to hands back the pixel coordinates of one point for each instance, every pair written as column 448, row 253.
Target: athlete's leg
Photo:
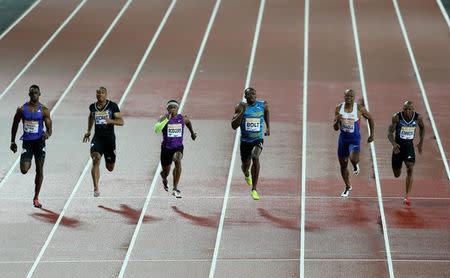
column 25, row 157
column 396, row 163
column 255, row 165
column 39, row 177
column 177, row 169
column 343, row 162
column 409, row 177
column 95, row 171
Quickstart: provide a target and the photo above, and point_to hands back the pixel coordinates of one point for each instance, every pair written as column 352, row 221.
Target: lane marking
column 372, row 145
column 444, row 12
column 19, row 19
column 212, row 270
column 75, row 189
column 304, row 138
column 421, row 86
column 43, row 47
column 183, row 101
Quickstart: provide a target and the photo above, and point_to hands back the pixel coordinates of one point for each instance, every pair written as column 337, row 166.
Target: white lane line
column 304, row 142
column 266, row 197
column 422, row 88
column 372, row 145
column 19, row 19
column 351, row 260
column 212, row 270
column 444, row 12
column 61, row 215
column 5, row 178
column 49, row 41
column 158, row 169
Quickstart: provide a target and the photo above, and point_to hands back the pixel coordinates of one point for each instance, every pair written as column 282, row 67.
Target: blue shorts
column 346, row 146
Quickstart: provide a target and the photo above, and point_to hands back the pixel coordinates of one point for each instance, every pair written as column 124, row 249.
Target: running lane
column 431, row 51
column 27, row 37
column 262, row 238
column 342, row 235
column 52, row 71
column 25, row 228
column 418, row 234
column 182, row 243
column 108, row 222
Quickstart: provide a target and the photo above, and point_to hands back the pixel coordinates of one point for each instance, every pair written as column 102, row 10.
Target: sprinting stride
column 33, row 115
column 105, row 114
column 404, row 126
column 347, row 120
column 250, row 116
column 172, row 127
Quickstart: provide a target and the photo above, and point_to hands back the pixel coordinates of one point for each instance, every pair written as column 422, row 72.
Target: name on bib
column 100, row 117
column 407, row 132
column 174, row 130
column 31, row 126
column 253, row 124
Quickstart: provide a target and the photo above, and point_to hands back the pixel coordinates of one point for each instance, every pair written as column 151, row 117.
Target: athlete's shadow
column 197, row 220
column 131, row 214
column 280, row 222
column 51, row 217
column 407, row 218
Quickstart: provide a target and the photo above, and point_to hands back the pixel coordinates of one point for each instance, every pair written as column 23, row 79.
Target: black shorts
column 33, row 147
column 167, row 155
column 105, row 145
column 247, row 148
column 406, row 154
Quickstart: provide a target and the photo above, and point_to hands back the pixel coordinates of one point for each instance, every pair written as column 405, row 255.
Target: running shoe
column 96, row 193
column 407, row 201
column 255, row 195
column 356, row 170
column 248, row 180
column 36, row 203
column 346, row 191
column 176, row 193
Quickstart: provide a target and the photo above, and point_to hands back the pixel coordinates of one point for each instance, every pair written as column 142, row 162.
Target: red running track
column 258, row 239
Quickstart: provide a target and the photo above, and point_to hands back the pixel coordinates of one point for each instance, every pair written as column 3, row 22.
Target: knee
column 23, row 171
column 397, row 174
column 95, row 159
column 110, row 167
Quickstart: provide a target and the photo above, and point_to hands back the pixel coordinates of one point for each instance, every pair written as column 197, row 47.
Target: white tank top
column 349, row 118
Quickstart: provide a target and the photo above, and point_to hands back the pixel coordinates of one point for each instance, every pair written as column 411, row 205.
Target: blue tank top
column 33, row 123
column 252, row 124
column 405, row 131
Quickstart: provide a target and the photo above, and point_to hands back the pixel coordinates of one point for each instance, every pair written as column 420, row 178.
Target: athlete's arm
column 188, row 124
column 421, row 133
column 266, row 118
column 369, row 118
column 117, row 119
column 161, row 123
column 238, row 115
column 337, row 118
column 90, row 124
column 15, row 126
column 48, row 123
column 391, row 131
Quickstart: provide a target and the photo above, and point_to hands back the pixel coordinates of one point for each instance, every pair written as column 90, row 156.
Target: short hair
column 249, row 90
column 101, row 88
column 408, row 102
column 349, row 91
column 34, row 86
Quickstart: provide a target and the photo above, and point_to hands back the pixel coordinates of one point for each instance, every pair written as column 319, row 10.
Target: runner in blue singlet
column 347, row 115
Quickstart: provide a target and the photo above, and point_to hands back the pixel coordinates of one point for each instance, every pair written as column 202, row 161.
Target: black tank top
column 405, row 131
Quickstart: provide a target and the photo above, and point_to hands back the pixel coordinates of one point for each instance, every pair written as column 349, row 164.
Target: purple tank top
column 33, row 123
column 173, row 133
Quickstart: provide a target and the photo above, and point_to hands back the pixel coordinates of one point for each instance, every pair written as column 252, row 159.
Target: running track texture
column 300, row 56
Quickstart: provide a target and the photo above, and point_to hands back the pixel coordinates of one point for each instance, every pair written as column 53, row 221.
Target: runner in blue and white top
column 33, row 116
column 250, row 116
column 347, row 115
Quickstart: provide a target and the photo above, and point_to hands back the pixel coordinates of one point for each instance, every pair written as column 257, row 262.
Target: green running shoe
column 248, row 180
column 255, row 195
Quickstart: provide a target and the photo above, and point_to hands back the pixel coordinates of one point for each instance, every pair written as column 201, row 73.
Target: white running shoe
column 346, row 191
column 356, row 171
column 176, row 193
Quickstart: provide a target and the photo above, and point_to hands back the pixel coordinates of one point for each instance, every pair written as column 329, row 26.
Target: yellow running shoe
column 248, row 180
column 255, row 195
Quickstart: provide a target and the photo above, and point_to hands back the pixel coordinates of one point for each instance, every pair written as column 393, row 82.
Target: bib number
column 174, row 130
column 253, row 124
column 407, row 132
column 31, row 126
column 348, row 125
column 100, row 117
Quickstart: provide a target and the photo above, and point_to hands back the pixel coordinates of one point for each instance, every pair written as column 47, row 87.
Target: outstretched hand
column 396, row 148
column 267, row 133
column 370, row 139
column 86, row 137
column 193, row 136
column 419, row 148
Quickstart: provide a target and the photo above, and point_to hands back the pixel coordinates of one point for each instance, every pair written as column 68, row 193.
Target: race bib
column 174, row 130
column 253, row 124
column 348, row 125
column 407, row 132
column 100, row 117
column 31, row 126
